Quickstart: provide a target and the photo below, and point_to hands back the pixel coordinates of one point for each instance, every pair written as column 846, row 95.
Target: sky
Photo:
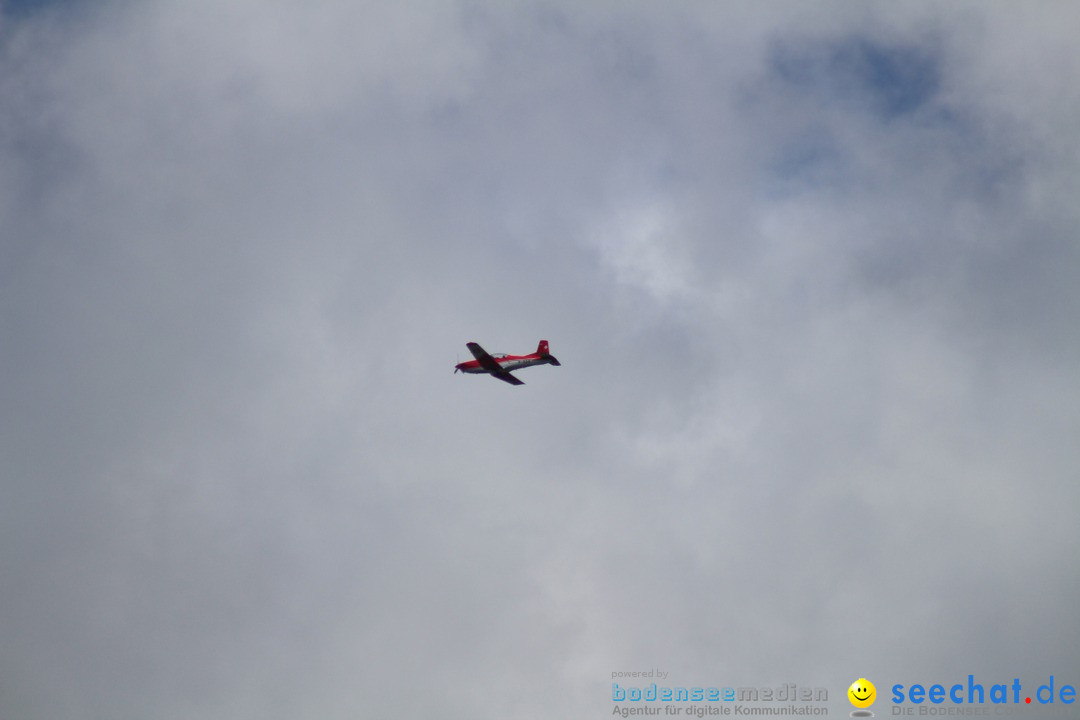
column 812, row 271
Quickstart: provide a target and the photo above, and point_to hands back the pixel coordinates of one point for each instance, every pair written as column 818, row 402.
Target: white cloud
column 811, row 276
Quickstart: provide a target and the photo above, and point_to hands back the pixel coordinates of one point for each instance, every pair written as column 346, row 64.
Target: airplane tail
column 542, row 351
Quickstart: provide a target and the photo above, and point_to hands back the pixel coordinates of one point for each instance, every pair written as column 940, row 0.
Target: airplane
column 500, row 364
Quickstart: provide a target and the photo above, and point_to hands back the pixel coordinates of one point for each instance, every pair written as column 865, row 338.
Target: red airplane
column 500, row 364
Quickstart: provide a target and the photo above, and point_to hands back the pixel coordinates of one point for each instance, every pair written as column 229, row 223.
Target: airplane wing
column 491, row 364
column 486, row 361
column 507, row 377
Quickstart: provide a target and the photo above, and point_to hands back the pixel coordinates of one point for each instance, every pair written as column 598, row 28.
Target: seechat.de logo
column 862, row 694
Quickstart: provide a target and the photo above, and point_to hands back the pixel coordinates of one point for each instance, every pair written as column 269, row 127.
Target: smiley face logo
column 862, row 693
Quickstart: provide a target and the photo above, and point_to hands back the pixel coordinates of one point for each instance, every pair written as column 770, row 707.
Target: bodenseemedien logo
column 862, row 694
column 786, row 699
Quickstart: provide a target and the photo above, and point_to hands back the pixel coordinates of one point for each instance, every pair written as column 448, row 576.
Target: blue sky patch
column 890, row 80
column 22, row 8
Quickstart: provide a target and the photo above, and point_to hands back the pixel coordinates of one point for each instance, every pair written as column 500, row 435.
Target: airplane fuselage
column 506, row 362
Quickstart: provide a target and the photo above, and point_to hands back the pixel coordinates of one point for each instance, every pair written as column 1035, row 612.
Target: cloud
column 810, row 275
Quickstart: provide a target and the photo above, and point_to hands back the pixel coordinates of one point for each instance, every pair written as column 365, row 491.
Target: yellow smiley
column 862, row 693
